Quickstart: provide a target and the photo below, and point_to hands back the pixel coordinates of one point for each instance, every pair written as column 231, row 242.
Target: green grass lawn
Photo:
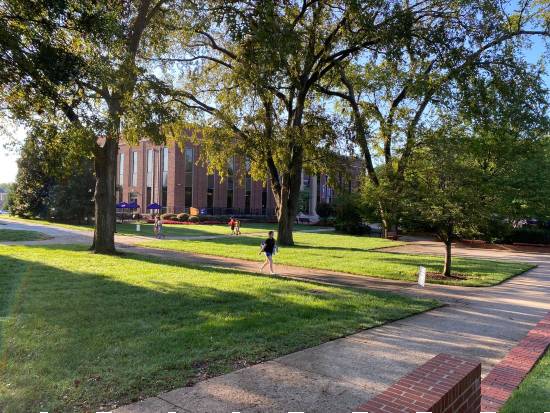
column 80, row 331
column 350, row 254
column 168, row 229
column 21, row 235
column 533, row 395
column 45, row 222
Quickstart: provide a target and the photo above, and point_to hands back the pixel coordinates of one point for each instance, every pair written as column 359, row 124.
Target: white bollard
column 138, row 227
column 421, row 276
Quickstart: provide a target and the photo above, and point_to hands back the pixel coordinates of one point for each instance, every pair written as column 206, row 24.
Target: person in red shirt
column 232, row 222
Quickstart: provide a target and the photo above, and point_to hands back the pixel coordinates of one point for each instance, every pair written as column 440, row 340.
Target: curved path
column 483, row 323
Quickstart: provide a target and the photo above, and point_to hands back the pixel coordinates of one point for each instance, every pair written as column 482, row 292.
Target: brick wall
column 507, row 375
column 445, row 384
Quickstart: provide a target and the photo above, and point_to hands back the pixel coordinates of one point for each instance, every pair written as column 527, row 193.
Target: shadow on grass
column 412, row 261
column 256, row 241
column 116, row 329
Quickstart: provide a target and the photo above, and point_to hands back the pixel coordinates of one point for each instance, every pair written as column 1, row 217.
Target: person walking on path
column 268, row 248
column 158, row 227
column 237, row 227
column 232, row 222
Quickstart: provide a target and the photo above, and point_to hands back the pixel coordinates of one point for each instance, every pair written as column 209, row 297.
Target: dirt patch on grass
column 437, row 276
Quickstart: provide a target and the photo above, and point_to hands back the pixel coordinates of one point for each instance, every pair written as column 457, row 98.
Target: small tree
column 29, row 195
column 71, row 198
column 447, row 189
column 349, row 214
column 50, row 181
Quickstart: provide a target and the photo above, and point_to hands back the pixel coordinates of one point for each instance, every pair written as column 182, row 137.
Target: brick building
column 171, row 176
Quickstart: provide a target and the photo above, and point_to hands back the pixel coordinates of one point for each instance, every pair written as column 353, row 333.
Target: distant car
column 2, row 212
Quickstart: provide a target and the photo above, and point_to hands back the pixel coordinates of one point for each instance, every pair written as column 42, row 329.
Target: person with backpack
column 268, row 247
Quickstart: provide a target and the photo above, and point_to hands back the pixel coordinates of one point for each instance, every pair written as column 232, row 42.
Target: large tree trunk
column 447, row 267
column 448, row 239
column 287, row 200
column 286, row 214
column 105, row 165
column 383, row 217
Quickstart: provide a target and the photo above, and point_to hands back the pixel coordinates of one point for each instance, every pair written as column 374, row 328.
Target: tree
column 80, row 65
column 254, row 71
column 29, row 194
column 51, row 182
column 71, row 198
column 395, row 92
column 446, row 188
column 464, row 179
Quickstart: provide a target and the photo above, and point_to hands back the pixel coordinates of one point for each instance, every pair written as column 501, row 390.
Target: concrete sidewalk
column 482, row 323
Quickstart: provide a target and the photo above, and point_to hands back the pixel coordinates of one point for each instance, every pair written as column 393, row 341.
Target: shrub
column 183, row 217
column 349, row 217
column 496, row 230
column 324, row 210
column 194, row 219
column 529, row 235
column 168, row 217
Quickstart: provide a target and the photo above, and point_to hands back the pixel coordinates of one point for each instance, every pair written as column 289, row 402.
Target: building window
column 210, row 193
column 230, row 181
column 164, row 178
column 318, row 189
column 121, row 169
column 150, row 169
column 247, row 187
column 188, row 178
column 306, row 194
column 264, row 200
column 164, row 167
column 134, row 168
column 306, row 182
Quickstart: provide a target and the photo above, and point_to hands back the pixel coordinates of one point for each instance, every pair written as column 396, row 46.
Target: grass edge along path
column 170, row 230
column 533, row 394
column 352, row 255
column 90, row 331
column 14, row 235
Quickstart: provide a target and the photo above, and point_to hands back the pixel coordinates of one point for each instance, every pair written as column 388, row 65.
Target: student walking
column 157, row 228
column 268, row 248
column 237, row 227
column 232, row 222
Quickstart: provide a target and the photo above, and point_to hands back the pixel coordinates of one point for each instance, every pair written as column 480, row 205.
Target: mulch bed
column 439, row 276
column 509, row 247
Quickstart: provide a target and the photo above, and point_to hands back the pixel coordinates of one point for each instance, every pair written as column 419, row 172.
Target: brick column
column 445, row 384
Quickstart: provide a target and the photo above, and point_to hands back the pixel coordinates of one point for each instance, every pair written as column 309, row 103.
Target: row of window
column 188, row 178
column 323, row 191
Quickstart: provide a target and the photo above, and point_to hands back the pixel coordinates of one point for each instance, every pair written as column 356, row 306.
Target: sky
column 8, row 156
